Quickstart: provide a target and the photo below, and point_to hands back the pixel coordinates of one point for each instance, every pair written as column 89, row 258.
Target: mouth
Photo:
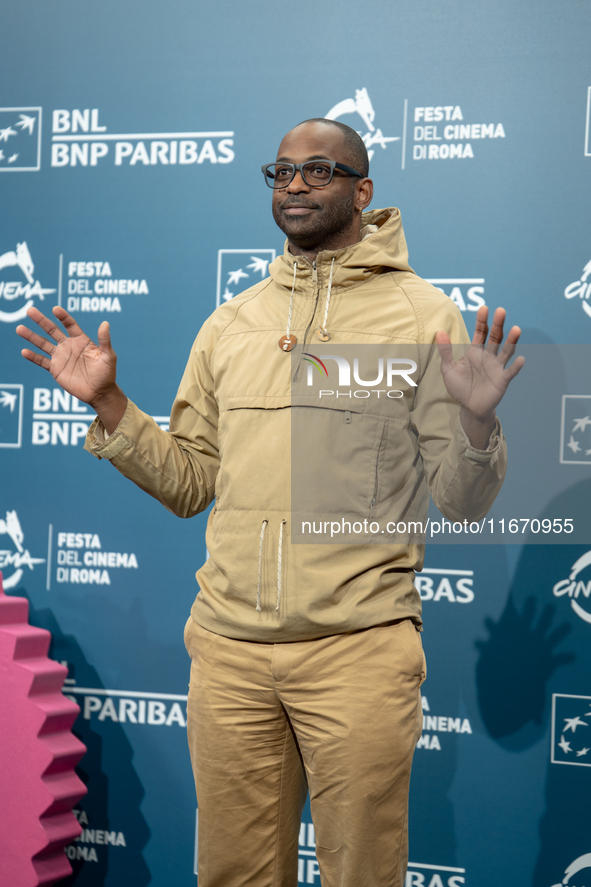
column 297, row 209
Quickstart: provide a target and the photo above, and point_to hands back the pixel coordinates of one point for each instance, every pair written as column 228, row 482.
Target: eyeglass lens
column 279, row 175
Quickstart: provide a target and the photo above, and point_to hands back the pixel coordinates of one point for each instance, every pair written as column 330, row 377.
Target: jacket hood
column 382, row 247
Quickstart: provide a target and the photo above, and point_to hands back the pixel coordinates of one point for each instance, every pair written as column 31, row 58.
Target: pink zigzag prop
column 38, row 753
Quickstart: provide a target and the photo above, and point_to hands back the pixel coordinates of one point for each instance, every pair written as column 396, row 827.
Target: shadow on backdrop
column 513, row 669
column 519, row 669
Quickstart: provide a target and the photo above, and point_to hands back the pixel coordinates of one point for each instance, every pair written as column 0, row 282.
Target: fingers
column 515, row 367
column 36, row 340
column 496, row 332
column 36, row 358
column 444, row 346
column 481, row 328
column 67, row 321
column 508, row 349
column 47, row 324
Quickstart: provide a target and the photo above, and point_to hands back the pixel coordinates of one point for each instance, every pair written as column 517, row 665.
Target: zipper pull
column 314, row 273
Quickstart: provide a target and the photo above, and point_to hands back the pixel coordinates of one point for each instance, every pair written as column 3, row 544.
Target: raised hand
column 84, row 369
column 479, row 379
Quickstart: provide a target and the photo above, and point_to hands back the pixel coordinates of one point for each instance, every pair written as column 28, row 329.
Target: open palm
column 83, row 368
column 479, row 379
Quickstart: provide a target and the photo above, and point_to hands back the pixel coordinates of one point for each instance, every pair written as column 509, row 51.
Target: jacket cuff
column 106, row 446
column 494, row 444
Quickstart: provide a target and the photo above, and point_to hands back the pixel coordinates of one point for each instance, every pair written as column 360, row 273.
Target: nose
column 297, row 184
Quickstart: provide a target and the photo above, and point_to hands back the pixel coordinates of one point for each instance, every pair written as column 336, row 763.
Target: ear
column 363, row 194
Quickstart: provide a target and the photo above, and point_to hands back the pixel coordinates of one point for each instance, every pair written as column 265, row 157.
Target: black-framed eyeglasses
column 315, row 173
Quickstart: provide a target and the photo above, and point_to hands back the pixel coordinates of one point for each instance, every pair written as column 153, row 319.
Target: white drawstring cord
column 279, row 564
column 263, row 528
column 321, row 331
column 279, row 547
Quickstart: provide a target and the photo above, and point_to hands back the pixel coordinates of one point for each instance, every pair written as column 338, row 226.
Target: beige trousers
column 339, row 716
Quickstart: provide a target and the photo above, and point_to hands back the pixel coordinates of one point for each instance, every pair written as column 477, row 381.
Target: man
column 306, row 659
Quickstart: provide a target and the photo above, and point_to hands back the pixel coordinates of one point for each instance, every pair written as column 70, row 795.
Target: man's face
column 312, row 216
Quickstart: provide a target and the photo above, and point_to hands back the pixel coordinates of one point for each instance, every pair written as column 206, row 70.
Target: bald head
column 354, row 150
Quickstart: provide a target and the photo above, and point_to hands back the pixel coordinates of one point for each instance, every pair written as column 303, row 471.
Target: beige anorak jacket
column 230, row 439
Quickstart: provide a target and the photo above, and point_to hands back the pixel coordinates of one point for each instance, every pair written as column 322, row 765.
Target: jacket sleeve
column 464, row 481
column 178, row 467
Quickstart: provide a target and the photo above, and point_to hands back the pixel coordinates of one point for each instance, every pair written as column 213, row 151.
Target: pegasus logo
column 362, row 106
column 18, row 559
column 20, row 257
column 12, row 526
column 10, row 290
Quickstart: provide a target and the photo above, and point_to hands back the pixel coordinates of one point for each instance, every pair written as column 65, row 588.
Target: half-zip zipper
column 316, row 299
column 311, row 321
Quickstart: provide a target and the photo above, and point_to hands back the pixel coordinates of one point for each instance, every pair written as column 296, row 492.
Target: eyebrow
column 313, row 157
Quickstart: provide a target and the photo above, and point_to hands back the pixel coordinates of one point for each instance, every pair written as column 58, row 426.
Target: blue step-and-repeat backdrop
column 131, row 139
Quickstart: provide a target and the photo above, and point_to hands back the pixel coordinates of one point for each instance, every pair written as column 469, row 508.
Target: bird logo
column 571, row 729
column 231, row 277
column 8, row 399
column 27, row 123
column 20, row 137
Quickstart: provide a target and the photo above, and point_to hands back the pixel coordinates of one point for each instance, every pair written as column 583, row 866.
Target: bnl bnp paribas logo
column 571, row 730
column 239, row 269
column 11, row 415
column 20, row 139
column 575, row 430
column 79, row 138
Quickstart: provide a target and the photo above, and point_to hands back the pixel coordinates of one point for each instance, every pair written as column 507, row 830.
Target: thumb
column 104, row 337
